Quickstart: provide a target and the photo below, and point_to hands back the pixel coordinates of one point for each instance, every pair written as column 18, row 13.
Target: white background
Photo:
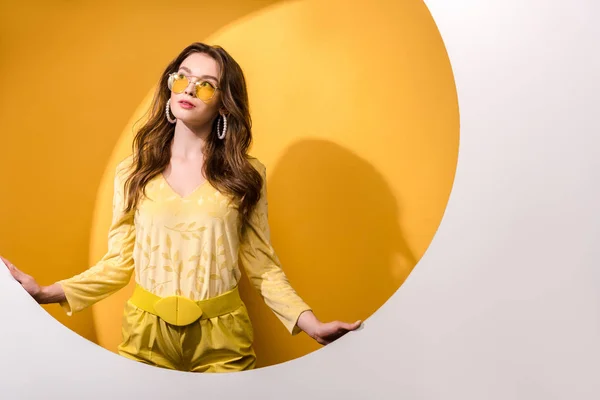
column 505, row 304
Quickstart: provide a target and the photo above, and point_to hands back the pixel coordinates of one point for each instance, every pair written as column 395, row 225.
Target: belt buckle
column 177, row 310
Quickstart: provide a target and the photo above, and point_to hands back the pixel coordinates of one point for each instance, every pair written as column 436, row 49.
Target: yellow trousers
column 220, row 343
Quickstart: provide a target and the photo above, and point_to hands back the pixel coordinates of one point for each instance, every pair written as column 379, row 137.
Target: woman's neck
column 188, row 143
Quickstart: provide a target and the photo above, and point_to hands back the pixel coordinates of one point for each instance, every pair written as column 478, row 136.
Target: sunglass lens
column 180, row 82
column 205, row 91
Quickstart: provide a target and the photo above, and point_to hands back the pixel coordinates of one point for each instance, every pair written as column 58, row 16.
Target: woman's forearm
column 51, row 294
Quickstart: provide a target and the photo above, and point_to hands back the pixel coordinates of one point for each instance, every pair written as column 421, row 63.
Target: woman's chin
column 191, row 121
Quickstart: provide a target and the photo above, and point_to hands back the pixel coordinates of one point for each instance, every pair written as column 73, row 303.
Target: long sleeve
column 263, row 267
column 115, row 269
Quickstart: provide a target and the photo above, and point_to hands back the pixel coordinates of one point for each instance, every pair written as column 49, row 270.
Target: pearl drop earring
column 171, row 120
column 221, row 135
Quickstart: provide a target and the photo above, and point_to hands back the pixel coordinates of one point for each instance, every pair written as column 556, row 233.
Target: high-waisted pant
column 220, row 343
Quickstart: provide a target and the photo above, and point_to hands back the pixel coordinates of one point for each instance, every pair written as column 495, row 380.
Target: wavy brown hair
column 226, row 165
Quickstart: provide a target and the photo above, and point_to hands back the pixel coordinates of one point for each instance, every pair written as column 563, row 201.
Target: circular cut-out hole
column 356, row 118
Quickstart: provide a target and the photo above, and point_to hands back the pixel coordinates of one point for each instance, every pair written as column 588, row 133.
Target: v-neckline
column 197, row 188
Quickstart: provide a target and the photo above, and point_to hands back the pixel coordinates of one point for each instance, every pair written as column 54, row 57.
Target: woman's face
column 185, row 106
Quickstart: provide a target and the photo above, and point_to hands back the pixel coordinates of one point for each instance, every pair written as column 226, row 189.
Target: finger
column 13, row 266
column 345, row 326
column 6, row 262
column 18, row 275
column 10, row 265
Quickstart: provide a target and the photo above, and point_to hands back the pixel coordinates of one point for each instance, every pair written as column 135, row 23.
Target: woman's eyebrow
column 186, row 69
column 209, row 77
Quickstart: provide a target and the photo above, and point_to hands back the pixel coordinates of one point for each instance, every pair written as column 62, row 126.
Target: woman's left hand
column 324, row 333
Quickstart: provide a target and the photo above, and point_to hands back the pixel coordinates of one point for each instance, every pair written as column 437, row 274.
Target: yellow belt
column 180, row 311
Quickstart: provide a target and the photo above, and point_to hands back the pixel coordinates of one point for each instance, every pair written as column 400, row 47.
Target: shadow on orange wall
column 341, row 239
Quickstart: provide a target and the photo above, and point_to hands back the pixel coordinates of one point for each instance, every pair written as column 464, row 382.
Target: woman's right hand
column 27, row 281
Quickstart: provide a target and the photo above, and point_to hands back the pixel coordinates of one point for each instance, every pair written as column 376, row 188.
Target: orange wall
column 355, row 117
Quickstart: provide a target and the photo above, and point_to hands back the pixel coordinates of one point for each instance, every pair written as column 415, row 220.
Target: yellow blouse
column 188, row 246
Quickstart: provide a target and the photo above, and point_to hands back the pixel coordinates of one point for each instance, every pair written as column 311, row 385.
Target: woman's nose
column 190, row 88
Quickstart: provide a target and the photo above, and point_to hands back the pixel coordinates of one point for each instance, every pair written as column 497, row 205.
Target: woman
column 189, row 211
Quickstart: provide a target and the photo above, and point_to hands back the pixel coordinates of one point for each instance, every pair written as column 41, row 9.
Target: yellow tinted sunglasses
column 204, row 90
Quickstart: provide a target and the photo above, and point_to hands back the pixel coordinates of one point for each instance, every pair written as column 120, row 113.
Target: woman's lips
column 186, row 104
